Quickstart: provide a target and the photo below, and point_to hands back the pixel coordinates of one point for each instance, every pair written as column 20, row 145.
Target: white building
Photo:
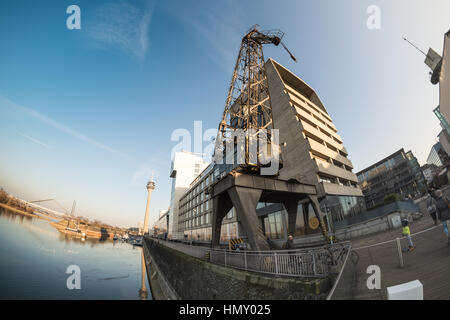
column 161, row 225
column 186, row 166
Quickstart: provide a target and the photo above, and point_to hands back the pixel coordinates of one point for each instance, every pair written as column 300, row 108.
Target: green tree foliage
column 391, row 198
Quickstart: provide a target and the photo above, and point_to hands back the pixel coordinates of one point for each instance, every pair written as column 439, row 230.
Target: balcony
column 334, row 171
column 336, row 155
column 336, row 189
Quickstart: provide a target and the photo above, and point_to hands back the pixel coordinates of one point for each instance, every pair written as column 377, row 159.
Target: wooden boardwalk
column 429, row 262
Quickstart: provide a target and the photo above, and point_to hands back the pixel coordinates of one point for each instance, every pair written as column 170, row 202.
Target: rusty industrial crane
column 248, row 106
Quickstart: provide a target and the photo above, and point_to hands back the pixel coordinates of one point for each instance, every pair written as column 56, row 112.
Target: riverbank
column 13, row 209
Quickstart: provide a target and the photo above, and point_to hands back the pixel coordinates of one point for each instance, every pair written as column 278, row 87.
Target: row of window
column 336, row 180
column 387, row 164
column 227, row 232
column 202, row 220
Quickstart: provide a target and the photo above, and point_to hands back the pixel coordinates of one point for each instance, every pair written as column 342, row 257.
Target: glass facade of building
column 399, row 173
column 342, row 207
column 440, row 116
column 196, row 209
column 433, row 157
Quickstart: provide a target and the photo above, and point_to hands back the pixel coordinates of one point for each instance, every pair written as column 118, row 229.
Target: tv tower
column 150, row 188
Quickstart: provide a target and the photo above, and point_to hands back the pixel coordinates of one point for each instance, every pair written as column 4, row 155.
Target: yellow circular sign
column 314, row 223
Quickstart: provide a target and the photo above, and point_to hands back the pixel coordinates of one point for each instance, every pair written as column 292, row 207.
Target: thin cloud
column 144, row 173
column 52, row 123
column 34, row 140
column 219, row 30
column 124, row 26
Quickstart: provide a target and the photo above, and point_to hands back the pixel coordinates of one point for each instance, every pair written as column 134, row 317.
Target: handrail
column 318, row 248
column 308, row 263
column 330, row 295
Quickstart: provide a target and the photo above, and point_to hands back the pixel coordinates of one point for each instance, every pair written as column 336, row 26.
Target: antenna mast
column 412, row 44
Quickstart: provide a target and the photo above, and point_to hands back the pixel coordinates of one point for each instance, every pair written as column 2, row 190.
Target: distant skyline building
column 150, row 188
column 434, row 157
column 161, row 226
column 429, row 172
column 398, row 173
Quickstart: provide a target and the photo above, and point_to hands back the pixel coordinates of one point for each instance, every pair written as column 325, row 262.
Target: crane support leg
column 319, row 216
column 221, row 206
column 245, row 201
column 291, row 208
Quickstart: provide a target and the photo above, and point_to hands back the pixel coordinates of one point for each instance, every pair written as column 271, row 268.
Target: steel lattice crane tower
column 248, row 106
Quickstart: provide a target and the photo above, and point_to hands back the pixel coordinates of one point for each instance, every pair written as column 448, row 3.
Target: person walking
column 443, row 212
column 431, row 206
column 290, row 242
column 407, row 233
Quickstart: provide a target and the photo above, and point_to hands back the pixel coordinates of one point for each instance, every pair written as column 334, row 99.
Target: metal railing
column 307, row 263
column 345, row 282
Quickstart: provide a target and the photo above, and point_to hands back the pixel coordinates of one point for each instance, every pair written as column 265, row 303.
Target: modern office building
column 434, row 156
column 185, row 167
column 196, row 211
column 161, row 225
column 398, row 173
column 419, row 178
column 312, row 152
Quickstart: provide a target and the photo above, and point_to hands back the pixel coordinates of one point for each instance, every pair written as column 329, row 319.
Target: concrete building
column 398, row 173
column 185, row 167
column 312, row 152
column 444, row 81
column 439, row 66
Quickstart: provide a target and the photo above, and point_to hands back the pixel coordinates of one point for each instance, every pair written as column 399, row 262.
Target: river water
column 34, row 258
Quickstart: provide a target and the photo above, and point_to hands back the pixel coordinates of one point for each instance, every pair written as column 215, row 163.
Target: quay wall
column 181, row 276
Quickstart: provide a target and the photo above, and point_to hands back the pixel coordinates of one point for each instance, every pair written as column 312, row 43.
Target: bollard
column 400, row 254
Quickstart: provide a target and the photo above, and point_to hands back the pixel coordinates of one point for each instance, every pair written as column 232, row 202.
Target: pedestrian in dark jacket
column 431, row 207
column 443, row 212
column 290, row 242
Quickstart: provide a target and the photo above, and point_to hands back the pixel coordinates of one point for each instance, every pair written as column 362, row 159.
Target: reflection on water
column 34, row 258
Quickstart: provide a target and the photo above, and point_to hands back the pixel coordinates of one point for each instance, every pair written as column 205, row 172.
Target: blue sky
column 88, row 114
